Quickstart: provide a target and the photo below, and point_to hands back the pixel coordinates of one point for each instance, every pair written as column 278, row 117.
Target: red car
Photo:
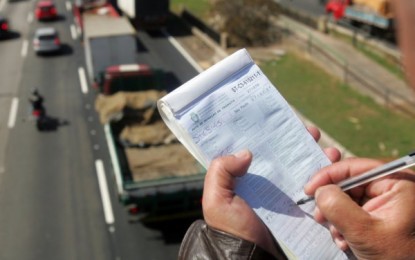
column 46, row 10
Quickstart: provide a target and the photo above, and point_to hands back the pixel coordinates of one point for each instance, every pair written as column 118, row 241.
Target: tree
column 247, row 22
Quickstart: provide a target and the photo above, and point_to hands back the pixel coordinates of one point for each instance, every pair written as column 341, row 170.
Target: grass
column 357, row 122
column 198, row 7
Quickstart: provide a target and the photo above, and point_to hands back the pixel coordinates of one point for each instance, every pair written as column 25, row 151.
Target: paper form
column 246, row 111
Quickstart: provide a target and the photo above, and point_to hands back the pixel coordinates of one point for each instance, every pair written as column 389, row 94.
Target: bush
column 247, row 22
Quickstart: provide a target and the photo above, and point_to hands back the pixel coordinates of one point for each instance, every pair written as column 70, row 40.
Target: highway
column 57, row 193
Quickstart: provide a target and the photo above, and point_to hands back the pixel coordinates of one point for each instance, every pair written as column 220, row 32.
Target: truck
column 146, row 14
column 375, row 16
column 110, row 46
column 156, row 177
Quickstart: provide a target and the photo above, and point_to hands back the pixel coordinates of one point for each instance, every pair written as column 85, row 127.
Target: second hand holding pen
column 379, row 172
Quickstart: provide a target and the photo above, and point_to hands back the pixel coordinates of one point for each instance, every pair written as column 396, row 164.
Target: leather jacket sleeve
column 204, row 242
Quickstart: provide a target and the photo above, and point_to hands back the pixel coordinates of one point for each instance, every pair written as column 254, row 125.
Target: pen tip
column 300, row 202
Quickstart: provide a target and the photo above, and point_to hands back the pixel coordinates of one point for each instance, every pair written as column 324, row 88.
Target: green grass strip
column 356, row 121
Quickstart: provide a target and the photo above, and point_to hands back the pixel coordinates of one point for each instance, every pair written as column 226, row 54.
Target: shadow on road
column 11, row 35
column 50, row 124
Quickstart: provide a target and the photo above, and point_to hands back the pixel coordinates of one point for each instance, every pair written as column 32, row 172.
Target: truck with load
column 156, row 176
column 146, row 14
column 374, row 15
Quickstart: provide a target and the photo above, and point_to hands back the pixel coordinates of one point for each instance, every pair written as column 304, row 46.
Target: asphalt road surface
column 51, row 204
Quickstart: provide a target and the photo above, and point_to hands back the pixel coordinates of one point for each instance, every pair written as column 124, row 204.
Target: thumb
column 341, row 211
column 220, row 177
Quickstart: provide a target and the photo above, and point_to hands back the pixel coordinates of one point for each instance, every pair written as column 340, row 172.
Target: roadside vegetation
column 200, row 8
column 356, row 121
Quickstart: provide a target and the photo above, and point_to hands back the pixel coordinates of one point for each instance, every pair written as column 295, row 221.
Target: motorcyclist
column 36, row 99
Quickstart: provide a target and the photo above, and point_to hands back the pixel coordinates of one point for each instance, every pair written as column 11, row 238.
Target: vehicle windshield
column 46, row 37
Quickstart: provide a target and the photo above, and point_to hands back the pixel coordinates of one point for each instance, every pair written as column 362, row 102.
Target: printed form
column 246, row 111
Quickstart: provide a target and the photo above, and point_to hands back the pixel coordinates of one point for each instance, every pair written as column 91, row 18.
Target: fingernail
column 242, row 154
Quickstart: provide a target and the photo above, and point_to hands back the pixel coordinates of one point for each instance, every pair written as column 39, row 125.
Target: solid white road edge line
column 73, row 32
column 186, row 55
column 103, row 187
column 114, row 160
column 13, row 112
column 82, row 80
column 25, row 46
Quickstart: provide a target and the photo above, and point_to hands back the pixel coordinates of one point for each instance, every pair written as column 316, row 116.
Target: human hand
column 377, row 220
column 226, row 211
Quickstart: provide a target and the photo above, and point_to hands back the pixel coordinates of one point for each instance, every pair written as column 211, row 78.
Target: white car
column 46, row 40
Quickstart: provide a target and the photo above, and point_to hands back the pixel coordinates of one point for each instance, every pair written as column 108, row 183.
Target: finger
column 222, row 172
column 341, row 211
column 315, row 133
column 339, row 171
column 333, row 154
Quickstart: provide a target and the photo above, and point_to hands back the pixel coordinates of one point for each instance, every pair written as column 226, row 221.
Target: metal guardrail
column 317, row 49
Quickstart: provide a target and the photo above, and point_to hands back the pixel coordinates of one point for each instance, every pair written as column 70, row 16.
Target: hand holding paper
column 233, row 106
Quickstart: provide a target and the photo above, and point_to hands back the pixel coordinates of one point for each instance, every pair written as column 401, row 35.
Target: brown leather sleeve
column 204, row 242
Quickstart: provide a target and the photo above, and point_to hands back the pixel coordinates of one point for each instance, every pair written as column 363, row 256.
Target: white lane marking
column 73, row 32
column 13, row 112
column 25, row 46
column 186, row 55
column 82, row 80
column 30, row 17
column 114, row 160
column 103, row 187
column 68, row 6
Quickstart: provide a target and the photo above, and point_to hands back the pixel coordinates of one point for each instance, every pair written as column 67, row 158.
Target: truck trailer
column 108, row 39
column 111, row 52
column 156, row 176
column 146, row 14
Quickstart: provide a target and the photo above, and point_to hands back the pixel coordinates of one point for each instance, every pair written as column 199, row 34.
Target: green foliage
column 198, row 7
column 247, row 22
column 355, row 121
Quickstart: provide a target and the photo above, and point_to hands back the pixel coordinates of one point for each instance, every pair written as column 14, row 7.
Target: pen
column 376, row 173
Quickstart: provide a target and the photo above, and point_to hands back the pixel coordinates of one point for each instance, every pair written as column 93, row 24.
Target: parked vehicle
column 374, row 16
column 4, row 27
column 46, row 40
column 45, row 10
column 146, row 14
column 157, row 178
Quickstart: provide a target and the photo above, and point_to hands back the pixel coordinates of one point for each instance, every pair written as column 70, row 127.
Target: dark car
column 4, row 27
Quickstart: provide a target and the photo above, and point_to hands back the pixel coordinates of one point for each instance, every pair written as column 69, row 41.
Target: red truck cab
column 127, row 77
column 337, row 8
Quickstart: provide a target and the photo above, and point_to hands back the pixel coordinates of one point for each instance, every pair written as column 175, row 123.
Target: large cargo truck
column 375, row 16
column 156, row 177
column 146, row 14
column 111, row 52
column 108, row 40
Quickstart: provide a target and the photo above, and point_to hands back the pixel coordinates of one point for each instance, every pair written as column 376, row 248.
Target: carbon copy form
column 233, row 106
